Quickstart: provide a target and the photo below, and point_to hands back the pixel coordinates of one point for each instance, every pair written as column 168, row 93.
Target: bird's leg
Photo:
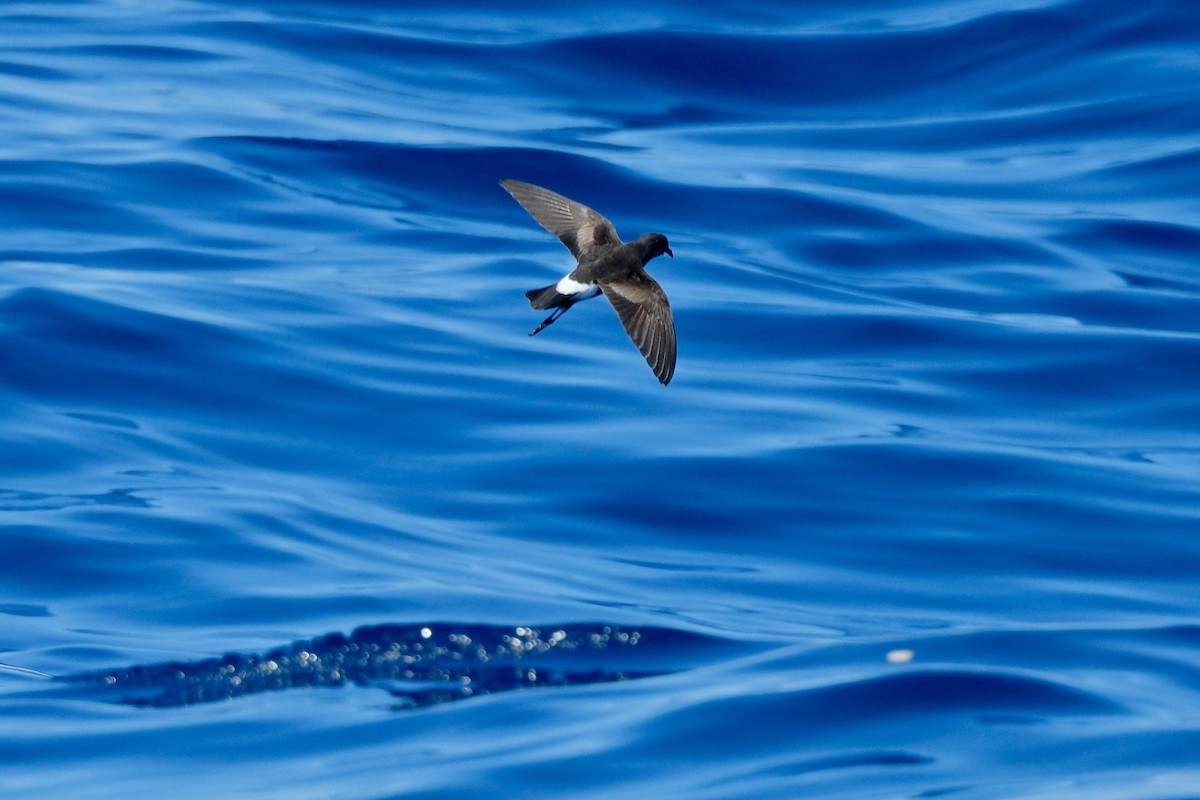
column 558, row 312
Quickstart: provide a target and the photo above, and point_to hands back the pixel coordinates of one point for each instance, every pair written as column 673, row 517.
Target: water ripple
column 265, row 373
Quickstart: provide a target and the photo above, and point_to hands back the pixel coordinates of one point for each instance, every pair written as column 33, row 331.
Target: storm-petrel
column 605, row 265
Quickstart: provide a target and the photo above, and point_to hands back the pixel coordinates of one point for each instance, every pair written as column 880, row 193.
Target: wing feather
column 645, row 312
column 578, row 227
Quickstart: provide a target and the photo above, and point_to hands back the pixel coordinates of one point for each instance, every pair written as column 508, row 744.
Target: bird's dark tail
column 547, row 297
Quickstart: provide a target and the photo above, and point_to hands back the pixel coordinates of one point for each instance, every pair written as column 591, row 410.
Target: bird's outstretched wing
column 578, row 227
column 644, row 311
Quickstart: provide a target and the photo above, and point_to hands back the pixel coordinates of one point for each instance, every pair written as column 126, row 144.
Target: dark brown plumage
column 605, row 265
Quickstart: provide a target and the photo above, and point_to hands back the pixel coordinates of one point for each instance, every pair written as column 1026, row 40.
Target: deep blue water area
column 292, row 506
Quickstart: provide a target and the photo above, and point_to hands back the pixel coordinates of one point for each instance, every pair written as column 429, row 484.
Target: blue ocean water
column 293, row 507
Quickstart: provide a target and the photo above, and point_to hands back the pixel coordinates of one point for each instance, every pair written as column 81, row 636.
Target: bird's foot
column 558, row 312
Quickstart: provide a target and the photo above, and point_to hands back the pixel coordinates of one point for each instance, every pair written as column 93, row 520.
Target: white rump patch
column 569, row 287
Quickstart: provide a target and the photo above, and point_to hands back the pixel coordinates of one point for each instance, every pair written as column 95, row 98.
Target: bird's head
column 654, row 245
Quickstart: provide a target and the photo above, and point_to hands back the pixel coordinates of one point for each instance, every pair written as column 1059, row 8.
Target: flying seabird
column 607, row 266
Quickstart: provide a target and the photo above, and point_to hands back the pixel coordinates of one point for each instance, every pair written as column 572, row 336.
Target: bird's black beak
column 672, row 255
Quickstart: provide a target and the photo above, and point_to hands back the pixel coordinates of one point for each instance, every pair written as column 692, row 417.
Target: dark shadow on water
column 19, row 500
column 420, row 665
